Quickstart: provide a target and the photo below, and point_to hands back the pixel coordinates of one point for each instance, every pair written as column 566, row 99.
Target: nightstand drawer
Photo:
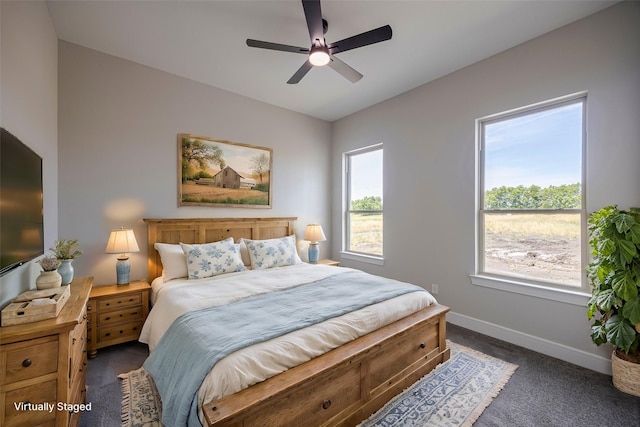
column 120, row 333
column 125, row 315
column 120, row 301
column 29, row 359
column 34, row 394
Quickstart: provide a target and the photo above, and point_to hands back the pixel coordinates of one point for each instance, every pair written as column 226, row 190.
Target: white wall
column 428, row 136
column 119, row 123
column 29, row 110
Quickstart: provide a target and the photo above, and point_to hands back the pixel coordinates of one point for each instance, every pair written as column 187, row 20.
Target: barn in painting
column 227, row 178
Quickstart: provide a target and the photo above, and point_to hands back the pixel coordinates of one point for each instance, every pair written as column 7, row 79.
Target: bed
column 338, row 384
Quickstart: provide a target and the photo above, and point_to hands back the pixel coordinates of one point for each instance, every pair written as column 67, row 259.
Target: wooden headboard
column 204, row 230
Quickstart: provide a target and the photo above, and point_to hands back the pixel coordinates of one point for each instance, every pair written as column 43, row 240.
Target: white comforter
column 258, row 362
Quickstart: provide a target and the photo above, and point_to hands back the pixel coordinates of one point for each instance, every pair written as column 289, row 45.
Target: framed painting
column 213, row 172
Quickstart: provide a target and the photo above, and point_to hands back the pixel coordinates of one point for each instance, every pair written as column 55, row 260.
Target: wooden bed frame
column 339, row 388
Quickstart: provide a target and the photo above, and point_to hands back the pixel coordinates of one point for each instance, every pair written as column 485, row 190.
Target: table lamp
column 122, row 241
column 314, row 234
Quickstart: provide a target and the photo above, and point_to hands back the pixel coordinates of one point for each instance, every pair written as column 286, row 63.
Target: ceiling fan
column 322, row 53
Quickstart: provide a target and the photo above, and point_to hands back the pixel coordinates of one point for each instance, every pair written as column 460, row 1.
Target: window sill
column 567, row 296
column 369, row 259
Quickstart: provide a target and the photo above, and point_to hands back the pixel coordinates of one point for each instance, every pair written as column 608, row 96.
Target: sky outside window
column 366, row 175
column 517, row 149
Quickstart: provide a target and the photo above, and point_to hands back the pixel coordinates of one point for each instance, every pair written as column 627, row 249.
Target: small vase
column 48, row 279
column 66, row 271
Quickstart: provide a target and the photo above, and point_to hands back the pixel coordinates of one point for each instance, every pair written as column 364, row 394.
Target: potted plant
column 66, row 251
column 49, row 277
column 614, row 276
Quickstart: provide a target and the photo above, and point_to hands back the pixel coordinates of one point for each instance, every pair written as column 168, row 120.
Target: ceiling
column 205, row 41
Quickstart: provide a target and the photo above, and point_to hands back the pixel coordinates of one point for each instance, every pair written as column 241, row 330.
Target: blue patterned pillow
column 211, row 259
column 273, row 252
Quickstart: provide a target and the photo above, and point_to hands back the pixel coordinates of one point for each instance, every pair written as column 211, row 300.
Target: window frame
column 544, row 289
column 347, row 252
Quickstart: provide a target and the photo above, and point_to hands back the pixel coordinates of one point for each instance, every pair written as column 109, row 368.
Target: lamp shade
column 314, row 233
column 122, row 241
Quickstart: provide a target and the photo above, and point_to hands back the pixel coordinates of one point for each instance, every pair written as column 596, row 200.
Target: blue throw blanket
column 197, row 340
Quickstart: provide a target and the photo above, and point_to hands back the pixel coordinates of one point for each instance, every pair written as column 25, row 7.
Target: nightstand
column 116, row 314
column 329, row 262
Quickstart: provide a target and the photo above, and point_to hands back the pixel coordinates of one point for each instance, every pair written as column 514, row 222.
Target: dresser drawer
column 35, row 394
column 78, row 348
column 127, row 314
column 119, row 333
column 78, row 383
column 119, row 301
column 29, row 359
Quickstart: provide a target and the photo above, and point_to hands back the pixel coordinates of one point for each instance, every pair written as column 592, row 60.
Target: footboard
column 345, row 385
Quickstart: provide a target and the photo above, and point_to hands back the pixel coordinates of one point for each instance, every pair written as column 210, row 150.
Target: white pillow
column 273, row 252
column 212, row 259
column 244, row 253
column 174, row 261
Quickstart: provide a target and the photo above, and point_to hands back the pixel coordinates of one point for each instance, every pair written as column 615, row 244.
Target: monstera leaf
column 620, row 332
column 624, row 285
column 631, row 310
column 624, row 253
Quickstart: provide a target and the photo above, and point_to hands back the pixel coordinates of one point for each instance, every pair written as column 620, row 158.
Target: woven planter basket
column 626, row 375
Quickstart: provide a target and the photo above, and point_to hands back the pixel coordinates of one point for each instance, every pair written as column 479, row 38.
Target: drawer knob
column 422, row 345
column 26, row 363
column 326, row 404
column 108, row 318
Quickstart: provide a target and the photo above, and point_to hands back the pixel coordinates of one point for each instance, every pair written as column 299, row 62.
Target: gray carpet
column 542, row 392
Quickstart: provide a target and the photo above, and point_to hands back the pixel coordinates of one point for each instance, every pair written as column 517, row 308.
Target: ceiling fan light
column 319, row 56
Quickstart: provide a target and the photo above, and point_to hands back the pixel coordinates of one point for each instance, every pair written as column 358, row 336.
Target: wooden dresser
column 116, row 314
column 43, row 366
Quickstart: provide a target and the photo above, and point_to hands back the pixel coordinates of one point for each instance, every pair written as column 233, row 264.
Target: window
column 531, row 215
column 363, row 191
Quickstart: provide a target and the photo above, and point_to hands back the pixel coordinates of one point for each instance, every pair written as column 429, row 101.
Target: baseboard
column 531, row 342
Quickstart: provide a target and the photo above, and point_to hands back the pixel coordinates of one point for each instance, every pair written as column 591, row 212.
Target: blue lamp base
column 122, row 271
column 314, row 253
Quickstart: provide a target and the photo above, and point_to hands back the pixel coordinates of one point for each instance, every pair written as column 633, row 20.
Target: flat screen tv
column 21, row 209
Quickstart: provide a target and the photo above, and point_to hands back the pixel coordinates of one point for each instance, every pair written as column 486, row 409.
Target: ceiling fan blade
column 313, row 13
column 363, row 39
column 302, row 71
column 277, row 46
column 344, row 70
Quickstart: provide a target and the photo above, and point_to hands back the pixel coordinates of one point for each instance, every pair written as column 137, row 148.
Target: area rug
column 141, row 404
column 454, row 394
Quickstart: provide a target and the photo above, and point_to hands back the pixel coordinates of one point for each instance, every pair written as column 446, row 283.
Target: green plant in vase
column 66, row 250
column 614, row 276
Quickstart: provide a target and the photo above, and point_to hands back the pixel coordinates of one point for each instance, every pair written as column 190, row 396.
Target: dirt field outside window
column 537, row 246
